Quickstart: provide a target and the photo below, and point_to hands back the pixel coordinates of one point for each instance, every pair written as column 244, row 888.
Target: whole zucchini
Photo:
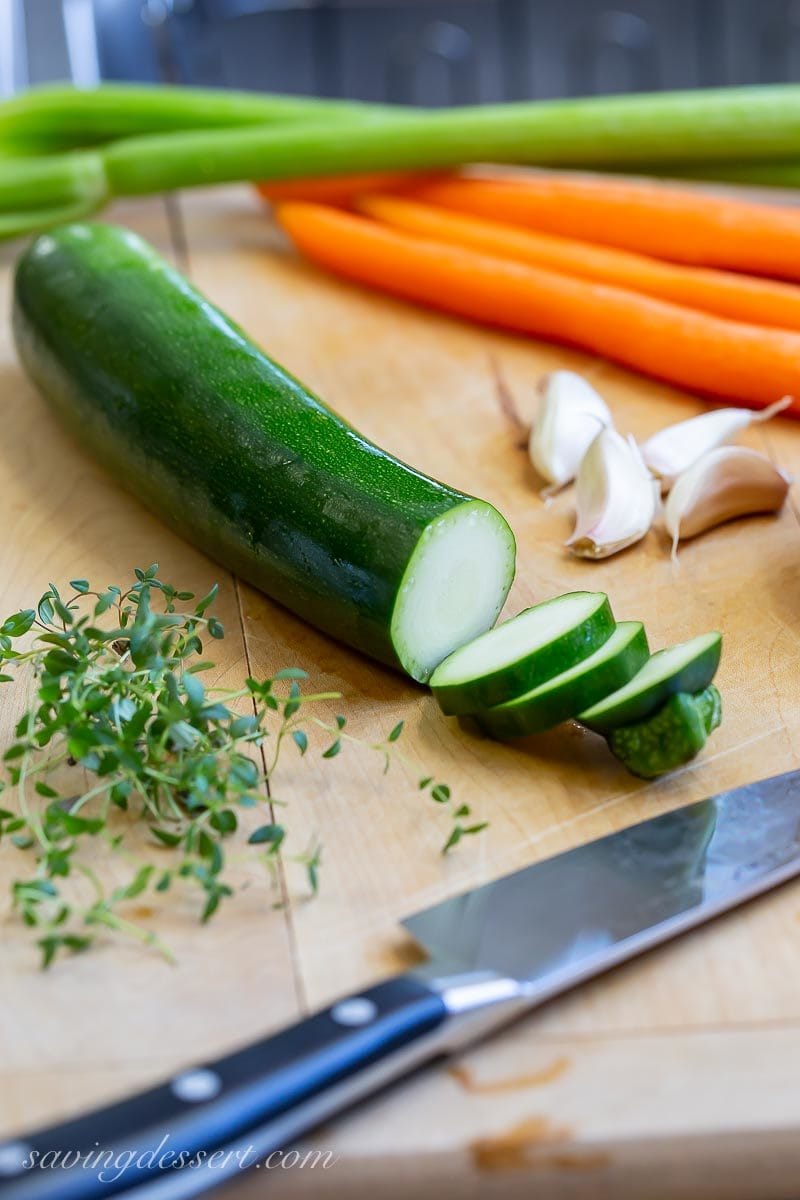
column 244, row 461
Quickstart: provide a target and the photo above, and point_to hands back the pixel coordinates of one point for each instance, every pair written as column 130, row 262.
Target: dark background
column 411, row 51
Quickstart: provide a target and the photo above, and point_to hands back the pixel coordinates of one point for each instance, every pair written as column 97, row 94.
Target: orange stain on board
column 536, row 1142
column 142, row 912
column 510, row 1083
column 590, row 1161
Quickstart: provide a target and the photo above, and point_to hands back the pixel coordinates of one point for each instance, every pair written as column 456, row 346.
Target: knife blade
column 494, row 952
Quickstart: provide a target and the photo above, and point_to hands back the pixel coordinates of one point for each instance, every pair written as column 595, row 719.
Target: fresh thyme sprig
column 123, row 732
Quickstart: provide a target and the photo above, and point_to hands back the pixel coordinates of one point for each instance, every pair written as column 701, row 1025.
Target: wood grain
column 680, row 1065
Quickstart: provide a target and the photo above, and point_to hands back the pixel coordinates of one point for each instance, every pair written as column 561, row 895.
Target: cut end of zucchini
column 454, row 586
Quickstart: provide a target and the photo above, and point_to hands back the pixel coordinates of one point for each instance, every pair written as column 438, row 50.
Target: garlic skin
column 675, row 449
column 727, row 483
column 617, row 498
column 569, row 414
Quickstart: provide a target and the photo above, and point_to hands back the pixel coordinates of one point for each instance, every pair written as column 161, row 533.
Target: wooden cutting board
column 676, row 1076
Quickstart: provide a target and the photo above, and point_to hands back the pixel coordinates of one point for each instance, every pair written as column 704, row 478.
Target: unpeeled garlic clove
column 675, row 449
column 729, row 482
column 617, row 498
column 569, row 415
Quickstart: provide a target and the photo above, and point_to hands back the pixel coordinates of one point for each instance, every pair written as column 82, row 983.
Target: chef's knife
column 494, row 953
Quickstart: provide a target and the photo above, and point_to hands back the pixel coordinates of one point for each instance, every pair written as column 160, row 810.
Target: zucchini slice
column 689, row 667
column 523, row 652
column 670, row 737
column 560, row 698
column 241, row 459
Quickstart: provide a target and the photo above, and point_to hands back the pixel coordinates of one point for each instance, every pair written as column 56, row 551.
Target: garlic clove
column 569, row 414
column 617, row 498
column 673, row 450
column 730, row 482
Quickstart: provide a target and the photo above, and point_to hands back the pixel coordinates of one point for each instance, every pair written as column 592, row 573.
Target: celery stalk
column 34, row 220
column 60, row 117
column 52, row 181
column 715, row 131
column 730, row 125
column 779, row 174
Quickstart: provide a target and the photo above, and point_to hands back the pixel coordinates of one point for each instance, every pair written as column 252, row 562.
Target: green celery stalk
column 34, row 220
column 779, row 174
column 711, row 130
column 60, row 117
column 729, row 125
column 52, row 181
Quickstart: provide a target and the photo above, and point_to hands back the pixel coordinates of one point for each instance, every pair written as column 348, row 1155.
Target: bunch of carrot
column 695, row 289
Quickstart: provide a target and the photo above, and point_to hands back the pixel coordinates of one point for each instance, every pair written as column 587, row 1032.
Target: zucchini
column 240, row 458
column 560, row 698
column 527, row 650
column 669, row 738
column 689, row 667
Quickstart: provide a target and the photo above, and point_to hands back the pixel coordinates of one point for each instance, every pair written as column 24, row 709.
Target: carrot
column 338, row 189
column 740, row 297
column 668, row 222
column 745, row 363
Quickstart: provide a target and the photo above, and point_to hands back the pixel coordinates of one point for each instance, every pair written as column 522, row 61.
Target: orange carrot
column 745, row 363
column 339, row 189
column 740, row 297
column 667, row 222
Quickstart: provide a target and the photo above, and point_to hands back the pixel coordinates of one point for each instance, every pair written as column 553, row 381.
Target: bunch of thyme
column 121, row 706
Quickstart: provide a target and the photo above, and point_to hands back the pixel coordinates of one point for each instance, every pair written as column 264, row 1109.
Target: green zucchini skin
column 219, row 440
column 670, row 737
column 564, row 696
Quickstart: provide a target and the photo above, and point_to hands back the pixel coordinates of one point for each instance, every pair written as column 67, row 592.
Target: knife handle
column 274, row 1083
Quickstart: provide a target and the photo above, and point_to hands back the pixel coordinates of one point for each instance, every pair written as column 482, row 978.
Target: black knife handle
column 177, row 1125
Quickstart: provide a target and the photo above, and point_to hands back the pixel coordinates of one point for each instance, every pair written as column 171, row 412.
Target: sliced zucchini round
column 611, row 666
column 689, row 667
column 523, row 652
